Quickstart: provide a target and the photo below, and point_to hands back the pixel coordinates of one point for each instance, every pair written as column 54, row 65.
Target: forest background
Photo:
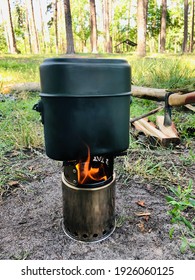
column 97, row 26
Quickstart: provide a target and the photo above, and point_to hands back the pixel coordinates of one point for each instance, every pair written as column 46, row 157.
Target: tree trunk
column 185, row 37
column 142, row 7
column 42, row 28
column 163, row 26
column 68, row 24
column 129, row 19
column 5, row 27
column 106, row 23
column 36, row 40
column 192, row 29
column 93, row 22
column 56, row 24
column 28, row 27
column 12, row 40
column 61, row 27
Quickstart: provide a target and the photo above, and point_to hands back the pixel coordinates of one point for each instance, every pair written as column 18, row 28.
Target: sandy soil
column 31, row 220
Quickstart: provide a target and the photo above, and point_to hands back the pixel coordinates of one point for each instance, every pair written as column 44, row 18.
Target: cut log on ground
column 149, row 129
column 17, row 88
column 137, row 91
column 159, row 94
column 148, row 93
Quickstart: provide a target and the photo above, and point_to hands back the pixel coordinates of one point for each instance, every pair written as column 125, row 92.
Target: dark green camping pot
column 84, row 103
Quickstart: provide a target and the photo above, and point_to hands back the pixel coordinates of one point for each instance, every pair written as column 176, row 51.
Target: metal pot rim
column 89, row 188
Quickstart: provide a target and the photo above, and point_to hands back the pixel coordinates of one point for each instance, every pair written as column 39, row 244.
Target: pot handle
column 39, row 108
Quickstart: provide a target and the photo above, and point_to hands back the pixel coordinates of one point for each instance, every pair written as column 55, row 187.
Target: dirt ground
column 31, row 219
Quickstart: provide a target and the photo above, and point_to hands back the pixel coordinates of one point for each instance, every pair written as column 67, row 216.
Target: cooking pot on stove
column 84, row 104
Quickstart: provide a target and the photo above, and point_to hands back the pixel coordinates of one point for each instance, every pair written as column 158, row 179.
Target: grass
column 154, row 166
column 182, row 199
column 20, row 126
column 20, row 129
column 167, row 72
column 19, row 69
column 171, row 71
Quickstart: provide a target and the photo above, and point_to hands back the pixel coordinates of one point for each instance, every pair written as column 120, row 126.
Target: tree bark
column 12, row 39
column 68, row 24
column 28, row 27
column 129, row 19
column 185, row 34
column 5, row 27
column 106, row 22
column 192, row 29
column 163, row 26
column 56, row 24
column 42, row 28
column 36, row 40
column 93, row 22
column 142, row 7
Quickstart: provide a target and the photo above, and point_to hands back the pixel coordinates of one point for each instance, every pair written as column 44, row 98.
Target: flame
column 87, row 173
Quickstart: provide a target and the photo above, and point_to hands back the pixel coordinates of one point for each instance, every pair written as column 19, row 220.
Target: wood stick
column 149, row 129
column 169, row 131
column 190, row 107
column 147, row 114
column 140, row 214
column 152, row 130
column 140, row 127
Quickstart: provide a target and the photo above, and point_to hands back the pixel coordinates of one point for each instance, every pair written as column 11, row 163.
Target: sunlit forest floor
column 155, row 70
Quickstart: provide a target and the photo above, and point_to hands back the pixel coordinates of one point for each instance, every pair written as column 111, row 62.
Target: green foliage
column 185, row 123
column 3, row 45
column 20, row 22
column 120, row 26
column 182, row 200
column 81, row 23
column 153, row 20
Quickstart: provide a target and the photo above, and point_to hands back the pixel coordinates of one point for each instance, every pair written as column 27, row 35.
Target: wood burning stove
column 85, row 112
column 88, row 189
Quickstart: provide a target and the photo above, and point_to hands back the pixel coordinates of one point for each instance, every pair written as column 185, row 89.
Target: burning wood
column 88, row 174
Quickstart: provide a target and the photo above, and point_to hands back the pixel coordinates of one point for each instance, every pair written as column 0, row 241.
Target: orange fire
column 87, row 173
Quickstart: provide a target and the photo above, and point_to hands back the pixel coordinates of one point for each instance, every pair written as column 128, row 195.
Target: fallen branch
column 17, row 88
column 159, row 94
column 147, row 114
column 148, row 93
column 190, row 107
column 141, row 214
